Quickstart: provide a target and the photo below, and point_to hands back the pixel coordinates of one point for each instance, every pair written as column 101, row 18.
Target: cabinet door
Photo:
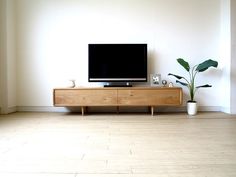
column 87, row 97
column 150, row 97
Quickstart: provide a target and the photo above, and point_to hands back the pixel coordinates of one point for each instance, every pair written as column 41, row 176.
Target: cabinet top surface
column 118, row 88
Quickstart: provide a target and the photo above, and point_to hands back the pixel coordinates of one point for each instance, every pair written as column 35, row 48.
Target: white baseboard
column 113, row 109
column 233, row 110
column 9, row 110
column 12, row 109
column 209, row 108
column 226, row 110
column 41, row 109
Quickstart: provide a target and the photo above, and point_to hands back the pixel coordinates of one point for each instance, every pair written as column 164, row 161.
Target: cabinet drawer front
column 85, row 97
column 150, row 97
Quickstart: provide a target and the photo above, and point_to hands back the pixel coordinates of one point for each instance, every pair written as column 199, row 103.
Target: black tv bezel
column 120, row 80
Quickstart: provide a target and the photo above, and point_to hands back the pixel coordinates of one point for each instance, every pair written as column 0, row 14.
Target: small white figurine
column 72, row 83
column 171, row 84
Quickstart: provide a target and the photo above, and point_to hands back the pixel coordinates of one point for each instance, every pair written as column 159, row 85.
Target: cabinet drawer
column 150, row 97
column 85, row 97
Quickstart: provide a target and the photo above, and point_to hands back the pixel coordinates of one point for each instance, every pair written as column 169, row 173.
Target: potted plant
column 190, row 83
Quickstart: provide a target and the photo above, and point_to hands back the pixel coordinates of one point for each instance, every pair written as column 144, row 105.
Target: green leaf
column 178, row 77
column 206, row 64
column 204, row 86
column 183, row 63
column 182, row 83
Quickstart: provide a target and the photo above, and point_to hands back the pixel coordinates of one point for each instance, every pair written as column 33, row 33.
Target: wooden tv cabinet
column 117, row 96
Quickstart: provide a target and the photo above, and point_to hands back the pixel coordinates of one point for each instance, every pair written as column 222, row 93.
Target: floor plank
column 126, row 145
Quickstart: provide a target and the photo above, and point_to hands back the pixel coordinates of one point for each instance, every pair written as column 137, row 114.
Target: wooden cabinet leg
column 82, row 110
column 152, row 110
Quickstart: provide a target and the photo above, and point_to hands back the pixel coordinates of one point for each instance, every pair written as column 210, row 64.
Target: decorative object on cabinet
column 155, row 79
column 164, row 82
column 72, row 83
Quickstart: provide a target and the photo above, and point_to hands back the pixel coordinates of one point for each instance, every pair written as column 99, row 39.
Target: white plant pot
column 192, row 108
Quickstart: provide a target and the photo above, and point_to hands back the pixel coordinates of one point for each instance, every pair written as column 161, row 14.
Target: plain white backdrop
column 51, row 40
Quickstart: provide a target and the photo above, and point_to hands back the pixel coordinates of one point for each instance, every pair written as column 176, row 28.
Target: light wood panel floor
column 124, row 145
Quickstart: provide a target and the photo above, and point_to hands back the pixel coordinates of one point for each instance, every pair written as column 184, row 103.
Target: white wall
column 3, row 98
column 228, row 55
column 7, row 57
column 52, row 38
column 11, row 56
column 225, row 54
column 233, row 57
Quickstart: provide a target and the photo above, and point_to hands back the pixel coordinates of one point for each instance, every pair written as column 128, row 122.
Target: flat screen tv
column 117, row 63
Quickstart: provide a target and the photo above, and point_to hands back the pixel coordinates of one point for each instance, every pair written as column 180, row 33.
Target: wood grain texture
column 153, row 97
column 118, row 96
column 124, row 145
column 85, row 97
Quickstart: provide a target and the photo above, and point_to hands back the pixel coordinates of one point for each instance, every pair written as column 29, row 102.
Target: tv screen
column 117, row 62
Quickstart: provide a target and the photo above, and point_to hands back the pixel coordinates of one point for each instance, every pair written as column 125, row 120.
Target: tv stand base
column 118, row 85
column 127, row 84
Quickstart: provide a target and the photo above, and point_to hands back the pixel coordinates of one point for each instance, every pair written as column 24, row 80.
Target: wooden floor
column 112, row 145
